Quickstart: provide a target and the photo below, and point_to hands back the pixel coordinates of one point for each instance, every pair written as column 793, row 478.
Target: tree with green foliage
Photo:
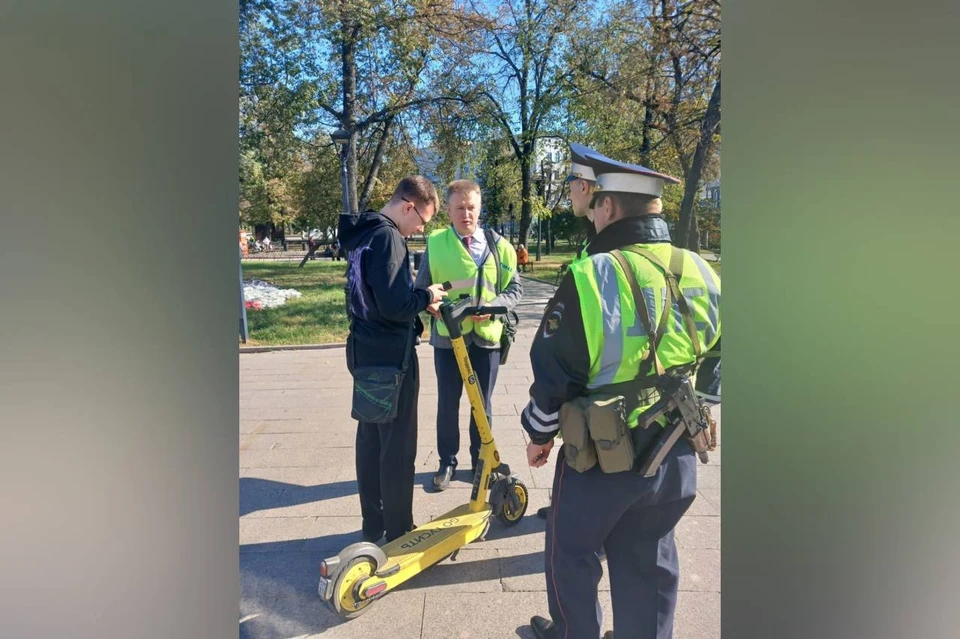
column 649, row 91
column 520, row 70
column 499, row 180
column 379, row 61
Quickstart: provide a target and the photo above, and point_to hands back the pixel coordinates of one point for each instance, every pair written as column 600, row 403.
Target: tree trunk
column 646, row 140
column 525, row 195
column 646, row 143
column 349, row 62
column 687, row 233
column 375, row 166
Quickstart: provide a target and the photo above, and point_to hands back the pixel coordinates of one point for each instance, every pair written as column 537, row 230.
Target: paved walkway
column 298, row 504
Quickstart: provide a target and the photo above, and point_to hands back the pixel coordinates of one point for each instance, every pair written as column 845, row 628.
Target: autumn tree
column 520, row 70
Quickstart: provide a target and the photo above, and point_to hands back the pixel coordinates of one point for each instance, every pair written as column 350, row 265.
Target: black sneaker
column 441, row 481
column 543, row 628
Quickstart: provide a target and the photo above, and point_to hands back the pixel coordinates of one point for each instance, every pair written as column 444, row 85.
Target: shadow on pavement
column 264, row 494
column 278, row 582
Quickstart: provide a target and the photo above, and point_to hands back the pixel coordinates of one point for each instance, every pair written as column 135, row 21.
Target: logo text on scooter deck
column 427, row 534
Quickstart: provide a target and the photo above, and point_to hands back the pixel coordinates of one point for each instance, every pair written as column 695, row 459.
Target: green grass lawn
column 318, row 317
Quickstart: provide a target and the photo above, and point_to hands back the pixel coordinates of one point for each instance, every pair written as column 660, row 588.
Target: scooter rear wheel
column 345, row 601
column 507, row 514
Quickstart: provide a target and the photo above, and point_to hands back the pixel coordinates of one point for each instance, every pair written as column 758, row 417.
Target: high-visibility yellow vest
column 616, row 338
column 450, row 262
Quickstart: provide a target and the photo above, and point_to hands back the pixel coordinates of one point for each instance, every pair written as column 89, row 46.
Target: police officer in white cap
column 582, row 181
column 631, row 321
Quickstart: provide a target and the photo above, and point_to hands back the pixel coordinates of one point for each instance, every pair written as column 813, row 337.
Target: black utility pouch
column 376, row 393
column 376, row 389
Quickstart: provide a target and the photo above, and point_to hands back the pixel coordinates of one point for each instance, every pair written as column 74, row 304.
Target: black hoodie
column 381, row 300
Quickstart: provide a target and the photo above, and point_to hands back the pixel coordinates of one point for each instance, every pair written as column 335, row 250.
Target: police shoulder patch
column 552, row 322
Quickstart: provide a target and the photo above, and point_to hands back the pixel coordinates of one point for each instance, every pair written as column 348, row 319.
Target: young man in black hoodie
column 383, row 307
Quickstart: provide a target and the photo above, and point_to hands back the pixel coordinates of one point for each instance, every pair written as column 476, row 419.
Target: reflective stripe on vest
column 616, row 339
column 451, row 262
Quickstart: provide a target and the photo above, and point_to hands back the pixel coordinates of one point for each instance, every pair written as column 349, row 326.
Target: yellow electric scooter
column 364, row 572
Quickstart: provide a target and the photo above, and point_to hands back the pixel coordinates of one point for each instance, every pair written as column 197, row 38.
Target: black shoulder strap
column 641, row 304
column 492, row 246
column 673, row 275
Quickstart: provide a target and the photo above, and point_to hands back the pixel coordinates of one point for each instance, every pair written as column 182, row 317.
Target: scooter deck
column 431, row 542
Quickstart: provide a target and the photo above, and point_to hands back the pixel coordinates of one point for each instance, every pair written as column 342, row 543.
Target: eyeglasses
column 415, row 210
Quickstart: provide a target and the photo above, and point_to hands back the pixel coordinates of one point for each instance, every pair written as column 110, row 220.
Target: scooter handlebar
column 485, row 310
column 453, row 313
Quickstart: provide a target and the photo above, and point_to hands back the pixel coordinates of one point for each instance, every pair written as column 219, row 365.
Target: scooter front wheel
column 510, row 515
column 345, row 600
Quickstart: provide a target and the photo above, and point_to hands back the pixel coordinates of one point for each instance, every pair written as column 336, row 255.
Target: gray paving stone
column 526, row 535
column 699, row 569
column 473, row 570
column 543, row 476
column 310, row 425
column 250, row 459
column 503, row 614
column 711, row 495
column 491, row 615
column 698, row 532
column 708, row 477
column 523, row 570
column 301, row 441
column 302, row 476
column 701, row 507
column 249, row 425
column 697, row 616
column 283, row 534
column 278, row 599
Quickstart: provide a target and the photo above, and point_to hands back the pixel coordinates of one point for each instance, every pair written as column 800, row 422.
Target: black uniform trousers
column 631, row 518
column 486, row 365
column 386, row 459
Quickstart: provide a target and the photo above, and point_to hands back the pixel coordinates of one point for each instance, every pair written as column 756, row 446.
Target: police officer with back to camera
column 614, row 364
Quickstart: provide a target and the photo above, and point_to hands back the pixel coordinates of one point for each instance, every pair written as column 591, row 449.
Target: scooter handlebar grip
column 485, row 310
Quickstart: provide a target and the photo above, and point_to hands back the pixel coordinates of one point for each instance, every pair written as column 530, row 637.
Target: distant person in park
column 482, row 264
column 383, row 306
column 523, row 257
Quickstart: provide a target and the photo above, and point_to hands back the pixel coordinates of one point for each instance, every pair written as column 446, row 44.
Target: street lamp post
column 341, row 138
column 548, row 190
column 546, row 177
column 539, row 181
